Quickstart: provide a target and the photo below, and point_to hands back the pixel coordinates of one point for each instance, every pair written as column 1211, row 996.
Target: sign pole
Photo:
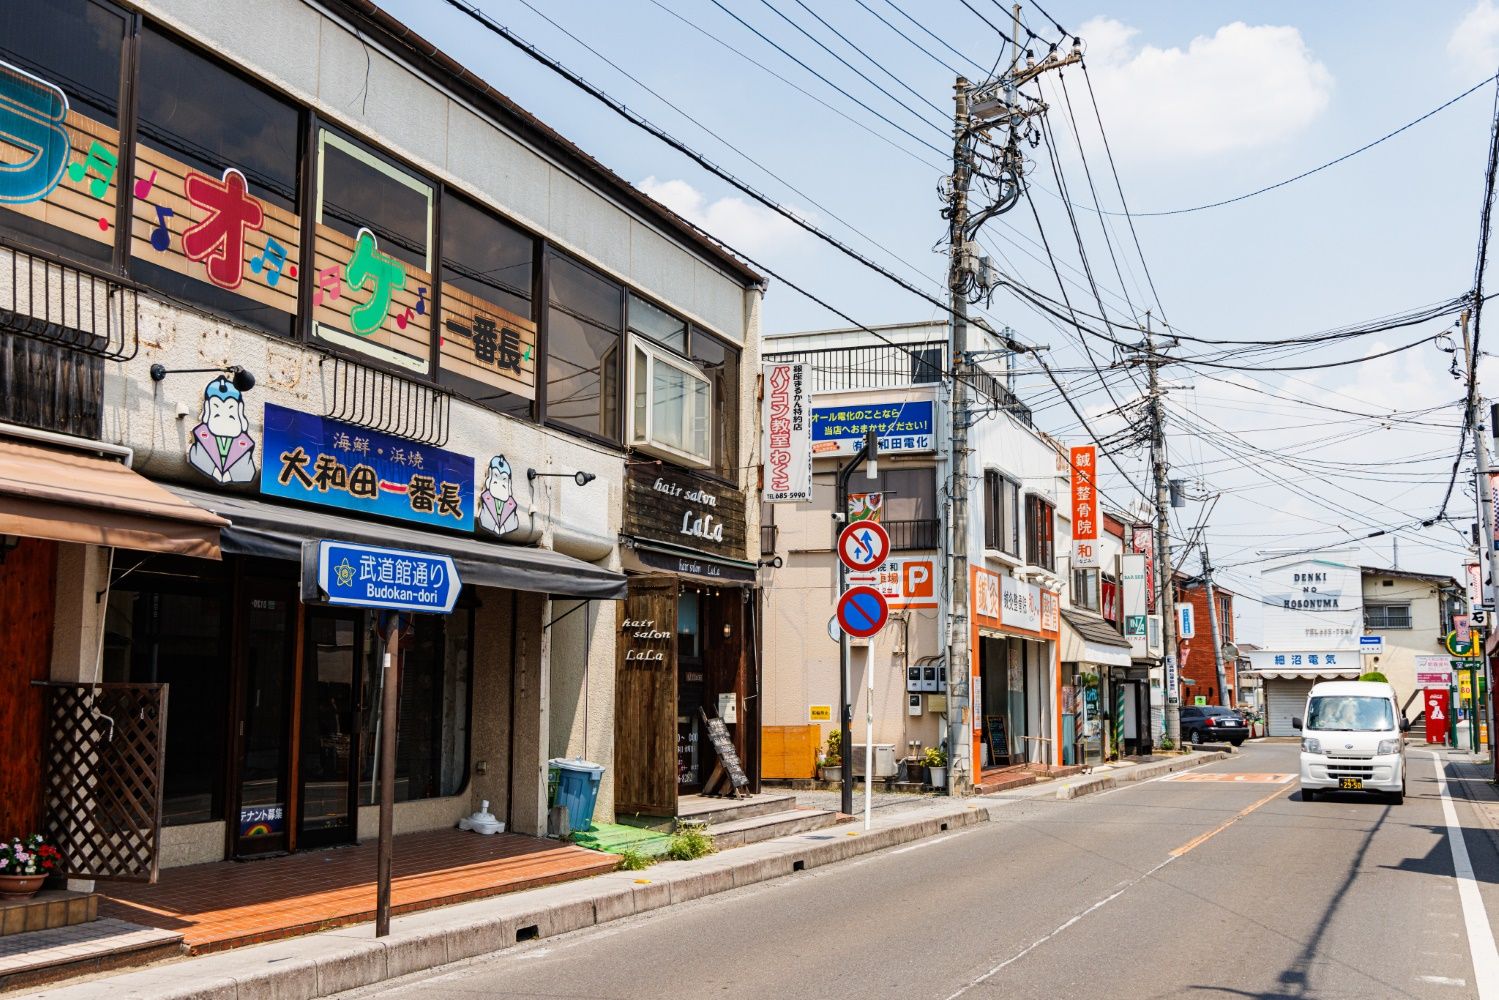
column 389, row 696
column 869, row 734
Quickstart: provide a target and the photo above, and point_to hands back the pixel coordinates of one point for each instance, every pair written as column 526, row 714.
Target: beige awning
column 72, row 496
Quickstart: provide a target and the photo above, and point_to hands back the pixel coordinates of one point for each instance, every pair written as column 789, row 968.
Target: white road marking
column 920, row 844
column 1475, row 918
column 1075, row 918
column 1443, row 980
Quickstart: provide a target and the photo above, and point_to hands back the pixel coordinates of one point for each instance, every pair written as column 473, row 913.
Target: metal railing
column 922, row 533
column 68, row 305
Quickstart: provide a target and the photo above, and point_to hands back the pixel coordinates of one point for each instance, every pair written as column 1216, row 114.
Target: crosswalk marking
column 1242, row 777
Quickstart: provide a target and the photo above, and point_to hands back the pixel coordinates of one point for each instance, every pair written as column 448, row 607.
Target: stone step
column 47, row 909
column 713, row 811
column 768, row 826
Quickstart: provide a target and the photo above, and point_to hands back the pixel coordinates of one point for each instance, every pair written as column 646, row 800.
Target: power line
column 930, row 54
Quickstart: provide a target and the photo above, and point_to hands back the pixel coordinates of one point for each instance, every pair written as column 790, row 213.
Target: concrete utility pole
column 1486, row 530
column 1207, row 581
column 960, row 766
column 1163, row 536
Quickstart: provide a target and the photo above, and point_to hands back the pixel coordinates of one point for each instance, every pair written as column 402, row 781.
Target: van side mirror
column 1296, row 722
column 1405, row 725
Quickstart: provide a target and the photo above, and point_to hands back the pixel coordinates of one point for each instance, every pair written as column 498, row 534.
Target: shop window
column 585, row 313
column 432, row 735
column 199, row 125
column 673, row 404
column 1040, row 518
column 487, row 331
column 720, row 364
column 372, row 269
column 1085, row 589
column 174, row 630
column 67, row 196
column 1001, row 510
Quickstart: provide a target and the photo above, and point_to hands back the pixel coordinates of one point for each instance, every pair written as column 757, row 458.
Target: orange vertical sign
column 1085, row 511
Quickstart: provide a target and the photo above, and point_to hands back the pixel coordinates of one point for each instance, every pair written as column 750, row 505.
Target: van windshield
column 1350, row 713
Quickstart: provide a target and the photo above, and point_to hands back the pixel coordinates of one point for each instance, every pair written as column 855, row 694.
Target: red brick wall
column 1196, row 654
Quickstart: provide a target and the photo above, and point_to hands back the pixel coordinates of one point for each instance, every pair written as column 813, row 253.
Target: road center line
column 1203, row 838
column 1475, row 918
column 1178, row 852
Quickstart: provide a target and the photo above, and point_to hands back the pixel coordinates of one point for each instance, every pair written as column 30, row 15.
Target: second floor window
column 1085, row 589
column 1001, row 513
column 1040, row 517
column 585, row 317
column 1387, row 615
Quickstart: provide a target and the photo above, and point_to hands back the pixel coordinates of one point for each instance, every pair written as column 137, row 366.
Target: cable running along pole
column 960, row 765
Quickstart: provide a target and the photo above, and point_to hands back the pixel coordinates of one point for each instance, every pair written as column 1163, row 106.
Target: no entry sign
column 863, row 545
column 862, row 612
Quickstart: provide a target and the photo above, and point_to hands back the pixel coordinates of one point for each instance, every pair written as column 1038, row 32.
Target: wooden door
column 645, row 700
column 724, row 658
column 27, row 585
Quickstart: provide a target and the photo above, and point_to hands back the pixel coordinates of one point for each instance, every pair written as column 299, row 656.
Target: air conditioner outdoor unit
column 884, row 760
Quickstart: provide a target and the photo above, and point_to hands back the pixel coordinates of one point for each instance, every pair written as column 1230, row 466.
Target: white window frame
column 645, row 438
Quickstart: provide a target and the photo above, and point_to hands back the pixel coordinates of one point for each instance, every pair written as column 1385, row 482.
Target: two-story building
column 1412, row 612
column 284, row 272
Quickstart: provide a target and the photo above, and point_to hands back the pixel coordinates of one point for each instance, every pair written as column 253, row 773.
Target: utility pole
column 960, row 766
column 1207, row 580
column 1486, row 530
column 1163, row 536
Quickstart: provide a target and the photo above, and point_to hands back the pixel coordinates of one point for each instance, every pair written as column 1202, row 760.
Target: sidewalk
column 1473, row 778
column 329, row 962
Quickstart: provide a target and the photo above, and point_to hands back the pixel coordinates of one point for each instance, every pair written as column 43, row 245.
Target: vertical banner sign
column 1133, row 588
column 1142, row 540
column 1475, row 585
column 1494, row 508
column 866, row 507
column 786, row 415
column 1186, row 621
column 1085, row 513
column 1460, row 625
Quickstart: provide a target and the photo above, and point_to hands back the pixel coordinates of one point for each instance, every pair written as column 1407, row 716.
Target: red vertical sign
column 1438, row 714
column 1085, row 513
column 1142, row 540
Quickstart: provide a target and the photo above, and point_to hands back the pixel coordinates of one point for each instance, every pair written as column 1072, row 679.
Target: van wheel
column 1308, row 795
column 1398, row 798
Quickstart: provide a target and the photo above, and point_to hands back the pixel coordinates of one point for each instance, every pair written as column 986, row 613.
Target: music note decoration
column 161, row 236
column 272, row 261
column 103, row 162
column 329, row 283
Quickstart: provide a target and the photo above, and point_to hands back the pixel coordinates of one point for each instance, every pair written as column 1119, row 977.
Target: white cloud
column 1244, row 87
column 739, row 223
column 1474, row 45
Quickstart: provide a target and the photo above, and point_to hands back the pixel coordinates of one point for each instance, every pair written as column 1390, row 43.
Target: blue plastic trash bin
column 578, row 789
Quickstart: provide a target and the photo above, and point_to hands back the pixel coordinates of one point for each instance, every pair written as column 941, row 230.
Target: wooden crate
column 789, row 751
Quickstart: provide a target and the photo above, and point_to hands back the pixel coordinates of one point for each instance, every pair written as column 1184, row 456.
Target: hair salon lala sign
column 695, row 524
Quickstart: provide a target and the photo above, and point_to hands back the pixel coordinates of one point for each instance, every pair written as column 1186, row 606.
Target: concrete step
column 713, row 811
column 768, row 826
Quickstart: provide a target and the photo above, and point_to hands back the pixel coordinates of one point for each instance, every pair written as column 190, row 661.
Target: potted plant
column 830, row 761
column 934, row 759
column 25, row 865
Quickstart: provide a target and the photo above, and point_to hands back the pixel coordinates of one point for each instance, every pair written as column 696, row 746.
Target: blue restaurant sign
column 908, row 426
column 324, row 461
column 365, row 576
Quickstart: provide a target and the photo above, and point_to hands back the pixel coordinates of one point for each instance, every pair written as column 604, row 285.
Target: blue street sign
column 862, row 611
column 1371, row 643
column 364, row 576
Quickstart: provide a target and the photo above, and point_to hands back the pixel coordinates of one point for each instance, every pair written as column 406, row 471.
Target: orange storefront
column 1015, row 669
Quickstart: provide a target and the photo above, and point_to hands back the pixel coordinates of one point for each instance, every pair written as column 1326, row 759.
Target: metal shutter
column 1287, row 699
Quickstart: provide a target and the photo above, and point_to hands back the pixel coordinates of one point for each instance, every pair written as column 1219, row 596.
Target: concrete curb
column 317, row 965
column 1142, row 772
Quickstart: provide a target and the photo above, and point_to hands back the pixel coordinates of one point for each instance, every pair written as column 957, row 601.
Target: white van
column 1352, row 739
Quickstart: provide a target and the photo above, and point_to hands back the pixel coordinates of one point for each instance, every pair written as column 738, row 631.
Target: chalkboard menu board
column 999, row 745
column 718, row 734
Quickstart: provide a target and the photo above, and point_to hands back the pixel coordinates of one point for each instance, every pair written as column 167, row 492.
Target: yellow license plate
column 1351, row 784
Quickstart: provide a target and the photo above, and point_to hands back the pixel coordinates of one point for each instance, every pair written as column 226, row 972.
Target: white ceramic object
column 483, row 821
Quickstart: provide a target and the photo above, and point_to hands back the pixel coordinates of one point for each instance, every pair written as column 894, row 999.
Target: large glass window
column 1085, row 589
column 432, row 732
column 174, row 630
column 200, row 119
column 373, row 269
column 488, row 333
column 720, row 363
column 673, row 406
column 910, row 505
column 584, row 316
column 59, row 123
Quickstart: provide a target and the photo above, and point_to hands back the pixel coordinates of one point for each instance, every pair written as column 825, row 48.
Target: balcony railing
column 840, row 369
column 924, row 533
column 68, row 305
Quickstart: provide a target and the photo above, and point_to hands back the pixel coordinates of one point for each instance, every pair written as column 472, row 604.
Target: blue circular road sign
column 862, row 611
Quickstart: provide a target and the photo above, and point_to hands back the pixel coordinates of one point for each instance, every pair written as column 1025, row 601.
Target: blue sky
column 1201, row 101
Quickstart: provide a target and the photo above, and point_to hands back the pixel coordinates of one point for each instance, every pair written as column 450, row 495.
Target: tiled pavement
column 80, row 943
column 228, row 904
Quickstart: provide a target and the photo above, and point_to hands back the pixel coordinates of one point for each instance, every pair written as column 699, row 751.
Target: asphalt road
column 1179, row 887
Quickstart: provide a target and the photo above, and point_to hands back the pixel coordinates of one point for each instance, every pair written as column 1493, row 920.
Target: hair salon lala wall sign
column 695, row 523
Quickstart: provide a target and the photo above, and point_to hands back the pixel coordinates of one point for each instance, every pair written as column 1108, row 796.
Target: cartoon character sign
column 499, row 514
column 222, row 448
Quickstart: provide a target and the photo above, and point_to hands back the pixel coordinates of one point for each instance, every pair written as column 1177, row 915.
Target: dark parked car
column 1212, row 724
